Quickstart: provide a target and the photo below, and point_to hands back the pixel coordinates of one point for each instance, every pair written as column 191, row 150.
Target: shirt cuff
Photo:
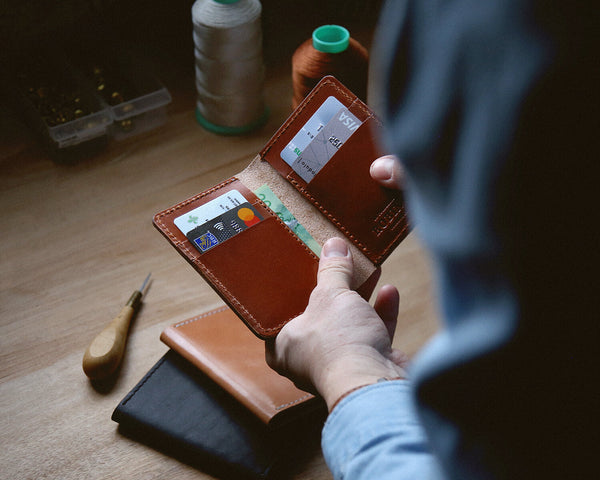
column 374, row 433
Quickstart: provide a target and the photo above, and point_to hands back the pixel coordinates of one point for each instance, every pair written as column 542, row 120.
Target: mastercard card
column 223, row 227
column 202, row 214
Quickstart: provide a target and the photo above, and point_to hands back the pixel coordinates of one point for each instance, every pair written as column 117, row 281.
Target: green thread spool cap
column 230, row 131
column 331, row 39
column 227, row 2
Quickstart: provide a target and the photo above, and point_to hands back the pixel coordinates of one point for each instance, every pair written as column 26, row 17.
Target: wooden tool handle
column 105, row 353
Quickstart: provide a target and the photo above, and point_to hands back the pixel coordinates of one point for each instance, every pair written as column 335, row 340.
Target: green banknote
column 273, row 202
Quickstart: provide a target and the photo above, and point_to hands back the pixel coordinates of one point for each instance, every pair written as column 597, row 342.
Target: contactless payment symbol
column 223, row 227
column 206, row 241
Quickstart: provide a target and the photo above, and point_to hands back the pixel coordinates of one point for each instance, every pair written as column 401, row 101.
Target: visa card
column 223, row 227
column 326, row 144
column 202, row 214
column 310, row 129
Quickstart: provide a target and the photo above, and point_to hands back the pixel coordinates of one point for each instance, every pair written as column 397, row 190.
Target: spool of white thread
column 229, row 65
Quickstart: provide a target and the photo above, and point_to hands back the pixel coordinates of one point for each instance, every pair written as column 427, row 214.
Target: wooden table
column 76, row 241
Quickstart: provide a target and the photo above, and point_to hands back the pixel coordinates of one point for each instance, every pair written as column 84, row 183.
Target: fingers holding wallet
column 340, row 342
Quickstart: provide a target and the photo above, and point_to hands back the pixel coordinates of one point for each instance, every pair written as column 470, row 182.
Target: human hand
column 340, row 342
column 388, row 171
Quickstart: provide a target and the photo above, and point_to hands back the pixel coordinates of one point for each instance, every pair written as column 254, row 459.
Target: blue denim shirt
column 492, row 107
column 374, row 433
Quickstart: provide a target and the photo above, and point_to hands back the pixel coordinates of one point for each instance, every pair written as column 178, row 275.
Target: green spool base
column 223, row 130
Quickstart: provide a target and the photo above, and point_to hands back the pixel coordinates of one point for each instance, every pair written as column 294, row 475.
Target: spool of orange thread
column 330, row 51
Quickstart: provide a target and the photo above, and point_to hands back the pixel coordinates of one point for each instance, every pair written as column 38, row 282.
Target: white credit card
column 210, row 210
column 309, row 130
column 326, row 144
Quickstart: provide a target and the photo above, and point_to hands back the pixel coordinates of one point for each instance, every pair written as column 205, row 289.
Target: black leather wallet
column 178, row 410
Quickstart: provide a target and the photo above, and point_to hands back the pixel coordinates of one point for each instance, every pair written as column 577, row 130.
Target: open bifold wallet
column 256, row 237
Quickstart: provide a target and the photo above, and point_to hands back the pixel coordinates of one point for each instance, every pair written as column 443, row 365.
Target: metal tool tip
column 145, row 283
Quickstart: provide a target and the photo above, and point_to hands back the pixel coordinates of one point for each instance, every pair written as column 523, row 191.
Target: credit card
column 274, row 203
column 310, row 129
column 326, row 144
column 223, row 227
column 208, row 211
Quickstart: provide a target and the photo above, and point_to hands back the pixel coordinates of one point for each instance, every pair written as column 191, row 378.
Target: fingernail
column 334, row 247
column 382, row 168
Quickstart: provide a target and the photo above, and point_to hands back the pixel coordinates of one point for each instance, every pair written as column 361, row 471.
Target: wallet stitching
column 193, row 257
column 250, row 318
column 217, row 282
column 198, row 317
column 188, row 201
column 196, row 259
column 349, row 234
column 233, row 299
column 289, row 231
column 301, row 189
column 399, row 235
column 304, row 105
column 143, row 382
column 219, row 310
column 336, row 222
column 293, row 402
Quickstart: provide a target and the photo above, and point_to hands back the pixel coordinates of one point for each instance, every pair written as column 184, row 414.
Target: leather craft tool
column 105, row 353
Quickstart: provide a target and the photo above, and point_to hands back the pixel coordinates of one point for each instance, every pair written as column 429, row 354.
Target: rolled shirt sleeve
column 374, row 433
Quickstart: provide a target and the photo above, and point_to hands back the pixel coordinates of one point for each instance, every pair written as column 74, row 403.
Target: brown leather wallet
column 224, row 349
column 266, row 273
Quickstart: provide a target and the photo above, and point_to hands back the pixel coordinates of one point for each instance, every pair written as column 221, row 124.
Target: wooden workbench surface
column 76, row 241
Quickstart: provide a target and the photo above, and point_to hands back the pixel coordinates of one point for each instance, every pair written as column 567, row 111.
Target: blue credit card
column 223, row 227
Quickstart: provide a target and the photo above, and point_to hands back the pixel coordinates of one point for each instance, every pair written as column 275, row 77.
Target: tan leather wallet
column 265, row 273
column 224, row 349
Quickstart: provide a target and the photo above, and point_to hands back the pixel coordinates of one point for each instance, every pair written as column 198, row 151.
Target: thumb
column 388, row 171
column 335, row 267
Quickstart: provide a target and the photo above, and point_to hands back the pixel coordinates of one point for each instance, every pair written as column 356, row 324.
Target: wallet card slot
column 265, row 273
column 167, row 220
column 372, row 217
column 260, row 172
column 327, row 87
